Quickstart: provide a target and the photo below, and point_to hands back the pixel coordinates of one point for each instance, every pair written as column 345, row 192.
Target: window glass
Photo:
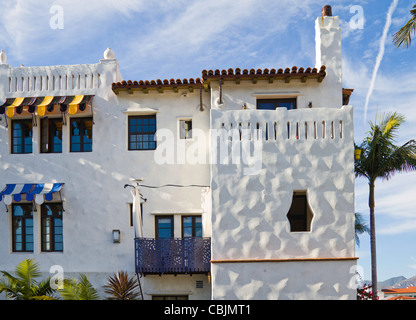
column 22, row 227
column 51, row 135
column 191, row 226
column 52, row 227
column 272, row 104
column 164, row 227
column 142, row 131
column 22, row 136
column 81, row 135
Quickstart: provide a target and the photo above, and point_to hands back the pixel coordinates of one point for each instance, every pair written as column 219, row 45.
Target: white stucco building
column 246, row 177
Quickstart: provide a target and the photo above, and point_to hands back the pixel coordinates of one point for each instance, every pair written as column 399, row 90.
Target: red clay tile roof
column 401, row 298
column 400, row 290
column 156, row 84
column 225, row 75
column 288, row 73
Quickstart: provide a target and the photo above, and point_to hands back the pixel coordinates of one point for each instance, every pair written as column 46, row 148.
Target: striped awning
column 33, row 191
column 42, row 105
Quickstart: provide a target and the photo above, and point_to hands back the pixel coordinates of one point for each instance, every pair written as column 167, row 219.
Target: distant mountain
column 411, row 282
column 392, row 282
column 395, row 282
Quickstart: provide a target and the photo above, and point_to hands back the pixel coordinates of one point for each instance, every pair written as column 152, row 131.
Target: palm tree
column 121, row 287
column 23, row 285
column 360, row 227
column 81, row 289
column 403, row 37
column 381, row 158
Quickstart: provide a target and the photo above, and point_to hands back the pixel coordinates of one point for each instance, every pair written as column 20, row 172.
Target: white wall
column 95, row 201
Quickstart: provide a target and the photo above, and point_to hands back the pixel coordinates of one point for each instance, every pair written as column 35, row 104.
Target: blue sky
column 179, row 38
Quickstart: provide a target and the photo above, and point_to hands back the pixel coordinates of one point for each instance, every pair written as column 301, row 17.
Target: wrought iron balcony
column 173, row 256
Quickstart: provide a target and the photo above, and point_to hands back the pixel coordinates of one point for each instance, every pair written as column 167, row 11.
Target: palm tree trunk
column 371, row 204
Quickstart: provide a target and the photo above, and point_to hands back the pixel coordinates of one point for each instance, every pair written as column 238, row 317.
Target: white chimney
column 328, row 53
column 3, row 57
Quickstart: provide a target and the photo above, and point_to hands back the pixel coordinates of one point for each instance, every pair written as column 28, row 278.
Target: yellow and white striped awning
column 42, row 105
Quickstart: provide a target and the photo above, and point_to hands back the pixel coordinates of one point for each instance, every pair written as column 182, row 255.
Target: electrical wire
column 173, row 185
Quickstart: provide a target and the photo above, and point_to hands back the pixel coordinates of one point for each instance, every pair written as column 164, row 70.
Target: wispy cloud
column 379, row 55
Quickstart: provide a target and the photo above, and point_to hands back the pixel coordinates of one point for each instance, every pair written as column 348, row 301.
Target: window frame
column 185, row 134
column 276, row 103
column 50, row 145
column 81, row 133
column 24, row 218
column 193, row 226
column 55, row 215
column 137, row 134
column 172, row 226
column 22, row 138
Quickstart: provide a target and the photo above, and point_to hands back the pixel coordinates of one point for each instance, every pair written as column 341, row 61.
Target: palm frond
column 360, row 227
column 390, row 123
column 402, row 159
column 81, row 289
column 23, row 285
column 121, row 287
column 403, row 37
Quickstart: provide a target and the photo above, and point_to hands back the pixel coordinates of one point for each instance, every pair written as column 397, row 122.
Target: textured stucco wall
column 327, row 280
column 249, row 210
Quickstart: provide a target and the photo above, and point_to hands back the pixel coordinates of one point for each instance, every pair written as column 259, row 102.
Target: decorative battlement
column 60, row 80
column 280, row 125
column 25, row 81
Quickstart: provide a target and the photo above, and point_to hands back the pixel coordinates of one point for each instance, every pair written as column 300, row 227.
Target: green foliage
column 24, row 286
column 121, row 287
column 81, row 289
column 403, row 37
column 380, row 157
column 360, row 227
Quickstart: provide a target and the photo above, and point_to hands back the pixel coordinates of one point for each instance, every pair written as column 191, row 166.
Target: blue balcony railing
column 173, row 256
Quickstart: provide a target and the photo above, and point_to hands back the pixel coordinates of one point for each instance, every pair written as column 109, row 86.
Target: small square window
column 185, row 129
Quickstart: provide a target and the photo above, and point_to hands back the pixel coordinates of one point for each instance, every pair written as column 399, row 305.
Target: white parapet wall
column 254, row 252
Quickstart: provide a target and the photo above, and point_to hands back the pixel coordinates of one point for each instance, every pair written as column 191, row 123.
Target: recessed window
column 185, row 129
column 21, row 136
column 22, row 227
column 273, row 104
column 164, row 227
column 51, row 135
column 51, row 227
column 142, row 130
column 81, row 135
column 300, row 215
column 191, row 226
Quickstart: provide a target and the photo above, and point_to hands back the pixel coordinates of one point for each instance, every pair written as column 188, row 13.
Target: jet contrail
column 379, row 55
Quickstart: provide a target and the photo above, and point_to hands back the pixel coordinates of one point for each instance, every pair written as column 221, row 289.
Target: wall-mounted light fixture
column 116, row 236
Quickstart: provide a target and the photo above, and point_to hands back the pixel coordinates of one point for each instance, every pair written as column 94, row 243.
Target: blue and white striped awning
column 33, row 191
